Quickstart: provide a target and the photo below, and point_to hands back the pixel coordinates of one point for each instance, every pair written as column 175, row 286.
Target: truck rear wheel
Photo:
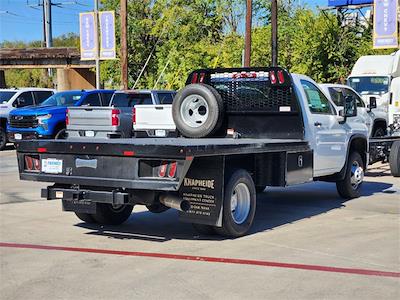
column 109, row 214
column 349, row 187
column 394, row 159
column 197, row 111
column 3, row 138
column 87, row 218
column 239, row 205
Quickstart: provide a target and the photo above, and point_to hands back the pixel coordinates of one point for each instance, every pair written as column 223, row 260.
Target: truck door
column 329, row 136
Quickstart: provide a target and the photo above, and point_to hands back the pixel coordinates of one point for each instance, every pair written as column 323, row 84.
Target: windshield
column 6, row 96
column 376, row 85
column 62, row 99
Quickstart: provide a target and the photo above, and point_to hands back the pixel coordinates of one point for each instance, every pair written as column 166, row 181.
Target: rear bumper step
column 113, row 197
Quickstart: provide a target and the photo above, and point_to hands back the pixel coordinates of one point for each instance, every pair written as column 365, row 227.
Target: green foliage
column 177, row 36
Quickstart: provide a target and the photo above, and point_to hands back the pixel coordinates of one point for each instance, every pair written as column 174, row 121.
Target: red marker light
column 273, row 77
column 162, row 171
column 172, row 170
column 129, row 153
column 114, row 117
column 41, row 150
column 281, row 78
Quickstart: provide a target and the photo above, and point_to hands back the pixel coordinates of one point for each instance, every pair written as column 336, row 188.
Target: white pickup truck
column 114, row 121
column 242, row 129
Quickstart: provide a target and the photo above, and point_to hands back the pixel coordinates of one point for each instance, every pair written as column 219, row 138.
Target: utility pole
column 96, row 32
column 274, row 33
column 47, row 17
column 247, row 42
column 124, row 45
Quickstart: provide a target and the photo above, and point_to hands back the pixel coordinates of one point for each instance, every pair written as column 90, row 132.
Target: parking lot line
column 208, row 259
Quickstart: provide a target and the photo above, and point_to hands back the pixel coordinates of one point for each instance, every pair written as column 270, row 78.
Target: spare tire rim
column 357, row 175
column 240, row 203
column 194, row 110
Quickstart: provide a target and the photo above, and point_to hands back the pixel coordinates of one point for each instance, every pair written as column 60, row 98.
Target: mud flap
column 203, row 187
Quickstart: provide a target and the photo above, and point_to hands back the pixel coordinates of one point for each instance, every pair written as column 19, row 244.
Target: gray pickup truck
column 114, row 121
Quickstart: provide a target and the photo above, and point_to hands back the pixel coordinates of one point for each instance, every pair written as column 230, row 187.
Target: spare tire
column 197, row 111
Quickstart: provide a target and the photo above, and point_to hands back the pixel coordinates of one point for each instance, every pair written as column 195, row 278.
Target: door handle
column 318, row 124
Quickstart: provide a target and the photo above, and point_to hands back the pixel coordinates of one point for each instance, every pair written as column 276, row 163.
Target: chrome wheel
column 357, row 175
column 240, row 203
column 194, row 110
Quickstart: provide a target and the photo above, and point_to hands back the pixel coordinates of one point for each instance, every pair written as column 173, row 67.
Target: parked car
column 114, row 121
column 17, row 98
column 374, row 117
column 48, row 120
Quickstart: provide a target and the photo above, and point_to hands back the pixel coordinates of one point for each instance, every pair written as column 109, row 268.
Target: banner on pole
column 385, row 24
column 107, row 35
column 88, row 38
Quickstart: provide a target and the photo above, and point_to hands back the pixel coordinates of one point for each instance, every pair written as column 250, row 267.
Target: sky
column 21, row 20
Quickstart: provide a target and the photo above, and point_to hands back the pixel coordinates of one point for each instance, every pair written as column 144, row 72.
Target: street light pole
column 96, row 17
column 274, row 33
column 247, row 42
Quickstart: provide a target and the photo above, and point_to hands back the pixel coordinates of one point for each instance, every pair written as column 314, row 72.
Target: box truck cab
column 376, row 79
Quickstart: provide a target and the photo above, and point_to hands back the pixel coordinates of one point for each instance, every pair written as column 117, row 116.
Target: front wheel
column 109, row 214
column 3, row 138
column 350, row 186
column 239, row 205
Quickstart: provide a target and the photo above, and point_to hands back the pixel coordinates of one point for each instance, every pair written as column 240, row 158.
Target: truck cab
column 374, row 78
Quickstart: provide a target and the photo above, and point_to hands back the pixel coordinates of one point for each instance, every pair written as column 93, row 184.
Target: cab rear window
column 130, row 100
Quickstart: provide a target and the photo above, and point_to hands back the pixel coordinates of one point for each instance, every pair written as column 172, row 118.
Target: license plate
column 52, row 165
column 18, row 136
column 89, row 133
column 160, row 132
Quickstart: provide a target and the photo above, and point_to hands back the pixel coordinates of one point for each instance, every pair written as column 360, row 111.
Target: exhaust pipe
column 174, row 202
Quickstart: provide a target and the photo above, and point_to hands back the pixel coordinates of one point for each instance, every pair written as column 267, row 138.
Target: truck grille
column 23, row 121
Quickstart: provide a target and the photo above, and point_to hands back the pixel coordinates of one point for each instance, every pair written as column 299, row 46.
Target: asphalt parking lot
column 307, row 243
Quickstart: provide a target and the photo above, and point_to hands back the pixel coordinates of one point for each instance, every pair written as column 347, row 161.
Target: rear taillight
column 172, row 170
column 32, row 163
column 115, row 117
column 281, row 78
column 272, row 76
column 67, row 118
column 134, row 116
column 162, row 170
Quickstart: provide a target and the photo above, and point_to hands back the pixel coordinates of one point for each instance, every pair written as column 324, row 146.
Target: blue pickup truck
column 48, row 120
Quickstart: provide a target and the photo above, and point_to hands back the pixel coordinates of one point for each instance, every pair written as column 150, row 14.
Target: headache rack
column 264, row 95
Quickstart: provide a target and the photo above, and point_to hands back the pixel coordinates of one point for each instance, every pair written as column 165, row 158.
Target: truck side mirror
column 350, row 106
column 372, row 103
